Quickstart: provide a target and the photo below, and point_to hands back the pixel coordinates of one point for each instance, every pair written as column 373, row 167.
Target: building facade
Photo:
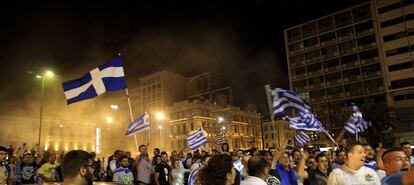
column 277, row 134
column 241, row 128
column 360, row 54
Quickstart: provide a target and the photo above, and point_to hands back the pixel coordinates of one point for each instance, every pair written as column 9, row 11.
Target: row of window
column 398, row 35
column 394, row 6
column 408, row 82
column 151, row 80
column 398, row 51
column 400, row 66
column 404, row 97
column 397, row 20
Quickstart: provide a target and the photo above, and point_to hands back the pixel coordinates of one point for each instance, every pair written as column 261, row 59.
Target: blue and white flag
column 239, row 166
column 305, row 122
column 284, row 99
column 356, row 123
column 301, row 138
column 197, row 139
column 140, row 124
column 193, row 176
column 108, row 77
column 220, row 139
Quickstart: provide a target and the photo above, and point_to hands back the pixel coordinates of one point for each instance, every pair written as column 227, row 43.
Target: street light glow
column 160, row 127
column 220, row 119
column 109, row 120
column 160, row 116
column 49, row 73
column 114, row 107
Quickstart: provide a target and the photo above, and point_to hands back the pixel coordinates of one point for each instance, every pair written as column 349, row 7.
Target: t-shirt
column 394, row 179
column 28, row 173
column 317, row 177
column 373, row 165
column 50, row 171
column 164, row 171
column 123, row 176
column 347, row 176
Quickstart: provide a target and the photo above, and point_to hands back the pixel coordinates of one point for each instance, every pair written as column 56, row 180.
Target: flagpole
column 132, row 117
column 272, row 118
column 328, row 134
column 356, row 132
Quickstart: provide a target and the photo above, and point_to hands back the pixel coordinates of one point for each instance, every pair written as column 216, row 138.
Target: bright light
column 38, row 76
column 98, row 140
column 160, row 116
column 61, row 125
column 224, row 128
column 49, row 74
column 220, row 119
column 114, row 107
column 160, row 127
column 109, row 120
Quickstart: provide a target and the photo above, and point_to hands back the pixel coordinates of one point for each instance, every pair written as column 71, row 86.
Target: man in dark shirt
column 162, row 171
column 28, row 169
column 318, row 176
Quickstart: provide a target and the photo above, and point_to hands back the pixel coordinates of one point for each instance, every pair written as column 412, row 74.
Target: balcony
column 332, row 68
column 352, row 78
column 335, row 96
column 297, row 63
column 316, row 85
column 333, row 82
column 370, row 60
column 317, row 99
column 372, row 74
column 328, row 42
column 350, row 64
column 374, row 89
column 315, row 72
column 365, row 32
column 367, row 46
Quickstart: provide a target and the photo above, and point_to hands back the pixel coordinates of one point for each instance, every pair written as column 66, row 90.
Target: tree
column 383, row 121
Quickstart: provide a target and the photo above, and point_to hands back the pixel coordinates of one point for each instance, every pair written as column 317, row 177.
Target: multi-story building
column 277, row 134
column 360, row 54
column 152, row 94
column 241, row 128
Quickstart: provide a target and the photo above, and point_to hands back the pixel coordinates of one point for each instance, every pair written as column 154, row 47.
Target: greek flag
column 239, row 166
column 192, row 177
column 220, row 139
column 301, row 138
column 284, row 99
column 355, row 122
column 140, row 124
column 306, row 121
column 108, row 77
column 197, row 139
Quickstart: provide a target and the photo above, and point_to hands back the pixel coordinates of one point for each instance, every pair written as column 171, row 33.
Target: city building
column 360, row 54
column 277, row 134
column 241, row 128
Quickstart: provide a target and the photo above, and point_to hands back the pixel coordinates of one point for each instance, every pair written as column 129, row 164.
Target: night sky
column 240, row 42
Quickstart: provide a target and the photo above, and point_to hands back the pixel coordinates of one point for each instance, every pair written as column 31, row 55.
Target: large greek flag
column 220, row 139
column 301, row 138
column 284, row 99
column 140, row 124
column 108, row 77
column 197, row 139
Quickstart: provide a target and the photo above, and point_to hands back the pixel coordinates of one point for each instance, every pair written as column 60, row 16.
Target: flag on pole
column 197, row 139
column 192, row 177
column 356, row 123
column 138, row 125
column 284, row 99
column 108, row 77
column 301, row 138
column 305, row 122
column 220, row 139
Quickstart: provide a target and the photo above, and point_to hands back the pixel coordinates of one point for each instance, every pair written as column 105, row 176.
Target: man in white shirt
column 353, row 172
column 258, row 171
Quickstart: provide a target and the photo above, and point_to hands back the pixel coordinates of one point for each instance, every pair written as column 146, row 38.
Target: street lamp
column 109, row 120
column 47, row 74
column 160, row 116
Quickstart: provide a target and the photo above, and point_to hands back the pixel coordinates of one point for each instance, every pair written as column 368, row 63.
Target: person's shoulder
column 394, row 179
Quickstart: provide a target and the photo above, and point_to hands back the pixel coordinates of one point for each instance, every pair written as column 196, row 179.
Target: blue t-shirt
column 394, row 179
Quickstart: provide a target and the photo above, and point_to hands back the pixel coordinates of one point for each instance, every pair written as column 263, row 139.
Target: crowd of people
column 353, row 164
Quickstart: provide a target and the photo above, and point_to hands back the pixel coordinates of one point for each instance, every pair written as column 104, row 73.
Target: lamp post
column 48, row 74
column 160, row 116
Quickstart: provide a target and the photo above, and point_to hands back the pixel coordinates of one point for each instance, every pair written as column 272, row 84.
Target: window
column 389, row 8
column 401, row 66
column 399, row 98
column 392, row 22
column 402, row 83
column 397, row 51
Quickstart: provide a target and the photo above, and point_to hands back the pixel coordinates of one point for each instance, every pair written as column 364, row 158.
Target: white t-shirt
column 252, row 180
column 347, row 176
